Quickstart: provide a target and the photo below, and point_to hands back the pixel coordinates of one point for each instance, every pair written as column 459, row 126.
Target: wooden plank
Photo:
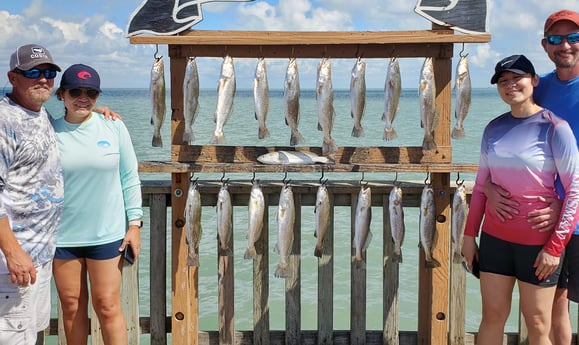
column 390, row 281
column 272, row 38
column 457, row 317
column 326, row 284
column 226, row 290
column 130, row 300
column 293, row 309
column 158, row 268
column 261, row 333
column 357, row 287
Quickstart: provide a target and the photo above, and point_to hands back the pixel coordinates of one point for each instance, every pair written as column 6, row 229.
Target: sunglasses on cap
column 35, row 73
column 90, row 93
column 558, row 39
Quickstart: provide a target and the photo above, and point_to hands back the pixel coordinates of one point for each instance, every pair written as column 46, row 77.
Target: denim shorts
column 99, row 252
column 512, row 259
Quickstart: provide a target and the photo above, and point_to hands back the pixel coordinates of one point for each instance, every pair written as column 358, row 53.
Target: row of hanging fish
column 286, row 214
column 324, row 97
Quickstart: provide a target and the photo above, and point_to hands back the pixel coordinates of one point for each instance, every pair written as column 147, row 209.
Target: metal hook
column 365, row 183
column 393, row 50
column 395, row 182
column 458, row 178
column 253, row 178
column 292, row 54
column 322, row 177
column 461, row 54
column 427, row 177
column 223, row 176
column 285, row 179
column 156, row 52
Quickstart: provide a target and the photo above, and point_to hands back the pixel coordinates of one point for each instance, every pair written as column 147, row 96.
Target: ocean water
column 134, row 105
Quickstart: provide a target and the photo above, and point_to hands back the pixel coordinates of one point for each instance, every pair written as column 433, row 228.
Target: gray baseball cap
column 29, row 56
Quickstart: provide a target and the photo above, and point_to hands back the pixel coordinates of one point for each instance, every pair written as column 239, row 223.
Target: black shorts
column 569, row 278
column 99, row 252
column 513, row 260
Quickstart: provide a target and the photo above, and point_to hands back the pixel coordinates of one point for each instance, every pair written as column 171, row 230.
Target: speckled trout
column 225, row 95
column 261, row 97
column 286, row 215
column 256, row 209
column 193, row 229
column 397, row 228
column 224, row 221
column 190, row 99
column 157, row 91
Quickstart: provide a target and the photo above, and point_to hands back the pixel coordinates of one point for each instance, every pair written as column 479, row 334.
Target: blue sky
column 93, row 32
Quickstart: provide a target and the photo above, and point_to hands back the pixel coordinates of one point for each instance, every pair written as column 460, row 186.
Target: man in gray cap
column 31, row 195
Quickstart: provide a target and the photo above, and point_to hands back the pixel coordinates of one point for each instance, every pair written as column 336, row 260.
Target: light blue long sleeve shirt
column 102, row 189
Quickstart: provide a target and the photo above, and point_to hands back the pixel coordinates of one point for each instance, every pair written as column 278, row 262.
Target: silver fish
column 362, row 233
column 428, row 225
column 322, row 211
column 193, row 229
column 459, row 214
column 358, row 96
column 157, row 90
column 224, row 221
column 397, row 227
column 190, row 99
column 326, row 113
column 261, row 97
column 285, row 236
column 291, row 157
column 428, row 113
column 225, row 95
column 256, row 210
column 392, row 92
column 462, row 90
column 291, row 97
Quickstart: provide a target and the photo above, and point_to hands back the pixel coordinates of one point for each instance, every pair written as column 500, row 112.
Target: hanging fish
column 190, row 99
column 392, row 92
column 326, row 113
column 427, row 95
column 157, row 91
column 225, row 95
column 256, row 209
column 459, row 214
column 363, row 218
column 261, row 97
column 291, row 98
column 224, row 221
column 193, row 229
column 322, row 212
column 462, row 90
column 358, row 96
column 286, row 214
column 428, row 225
column 397, row 228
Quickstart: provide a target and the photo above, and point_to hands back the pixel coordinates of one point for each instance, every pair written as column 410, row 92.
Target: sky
column 93, row 32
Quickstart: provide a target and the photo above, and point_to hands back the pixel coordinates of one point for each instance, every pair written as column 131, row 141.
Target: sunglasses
column 558, row 39
column 35, row 73
column 90, row 93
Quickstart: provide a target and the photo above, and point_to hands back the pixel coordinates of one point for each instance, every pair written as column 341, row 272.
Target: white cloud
column 70, row 31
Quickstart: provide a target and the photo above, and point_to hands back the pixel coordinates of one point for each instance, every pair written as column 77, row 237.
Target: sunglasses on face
column 35, row 73
column 90, row 93
column 558, row 39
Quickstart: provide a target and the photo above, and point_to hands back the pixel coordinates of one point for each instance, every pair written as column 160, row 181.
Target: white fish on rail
column 291, row 98
column 190, row 99
column 193, row 228
column 261, row 97
column 225, row 95
column 286, row 215
column 325, row 101
column 397, row 228
column 157, row 91
column 459, row 214
column 462, row 89
column 428, row 113
column 428, row 225
column 291, row 157
column 358, row 96
column 322, row 212
column 256, row 209
column 392, row 92
column 224, row 221
column 363, row 218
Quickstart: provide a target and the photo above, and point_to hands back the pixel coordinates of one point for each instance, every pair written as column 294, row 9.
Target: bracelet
column 138, row 223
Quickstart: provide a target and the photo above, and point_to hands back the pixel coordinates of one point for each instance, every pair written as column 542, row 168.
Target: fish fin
column 157, row 141
column 428, row 143
column 225, row 251
column 250, row 253
column 457, row 133
column 320, row 128
column 360, row 263
column 352, row 114
column 255, row 115
column 188, row 137
column 358, row 132
column 389, row 134
column 329, row 147
column 384, row 118
column 296, row 138
column 282, row 271
column 218, row 139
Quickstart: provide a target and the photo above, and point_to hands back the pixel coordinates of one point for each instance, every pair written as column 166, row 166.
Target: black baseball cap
column 515, row 63
column 80, row 75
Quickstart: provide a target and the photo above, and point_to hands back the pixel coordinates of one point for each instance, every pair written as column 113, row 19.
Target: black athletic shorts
column 512, row 259
column 569, row 278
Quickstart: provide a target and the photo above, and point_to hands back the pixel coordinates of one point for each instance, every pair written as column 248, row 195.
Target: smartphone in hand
column 128, row 254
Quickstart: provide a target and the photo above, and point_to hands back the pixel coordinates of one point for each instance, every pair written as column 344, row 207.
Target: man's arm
column 499, row 200
column 20, row 265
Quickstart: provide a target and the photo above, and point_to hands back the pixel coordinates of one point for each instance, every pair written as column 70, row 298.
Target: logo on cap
column 84, row 75
column 38, row 53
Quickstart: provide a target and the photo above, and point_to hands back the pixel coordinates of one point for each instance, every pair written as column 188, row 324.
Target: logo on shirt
column 104, row 144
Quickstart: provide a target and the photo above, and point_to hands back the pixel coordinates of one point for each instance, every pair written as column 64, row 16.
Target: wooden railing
column 156, row 196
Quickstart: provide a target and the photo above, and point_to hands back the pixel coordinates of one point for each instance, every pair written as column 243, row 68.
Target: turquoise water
column 242, row 128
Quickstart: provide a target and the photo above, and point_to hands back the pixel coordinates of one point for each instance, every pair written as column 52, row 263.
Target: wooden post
column 326, row 284
column 390, row 281
column 158, row 267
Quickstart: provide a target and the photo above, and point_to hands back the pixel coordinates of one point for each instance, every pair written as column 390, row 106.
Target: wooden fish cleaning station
column 441, row 318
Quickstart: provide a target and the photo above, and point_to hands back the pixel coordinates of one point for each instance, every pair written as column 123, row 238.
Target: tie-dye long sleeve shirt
column 524, row 156
column 31, row 185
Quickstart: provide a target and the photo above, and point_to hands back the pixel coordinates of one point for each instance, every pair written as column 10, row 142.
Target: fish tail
column 358, row 131
column 188, row 137
column 218, row 139
column 329, row 146
column 432, row 263
column 193, row 260
column 428, row 143
column 318, row 251
column 389, row 134
column 457, row 132
column 250, row 253
column 157, row 140
column 263, row 132
column 359, row 262
column 296, row 138
column 457, row 257
column 225, row 251
column 282, row 270
column 397, row 257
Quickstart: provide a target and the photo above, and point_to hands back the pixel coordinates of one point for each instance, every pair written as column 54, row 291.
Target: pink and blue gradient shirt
column 524, row 156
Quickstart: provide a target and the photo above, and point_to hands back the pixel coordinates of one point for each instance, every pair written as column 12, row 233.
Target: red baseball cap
column 571, row 16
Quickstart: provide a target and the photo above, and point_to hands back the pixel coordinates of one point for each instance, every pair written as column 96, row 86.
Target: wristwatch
column 136, row 222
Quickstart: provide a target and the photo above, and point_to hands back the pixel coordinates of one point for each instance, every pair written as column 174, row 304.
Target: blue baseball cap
column 80, row 75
